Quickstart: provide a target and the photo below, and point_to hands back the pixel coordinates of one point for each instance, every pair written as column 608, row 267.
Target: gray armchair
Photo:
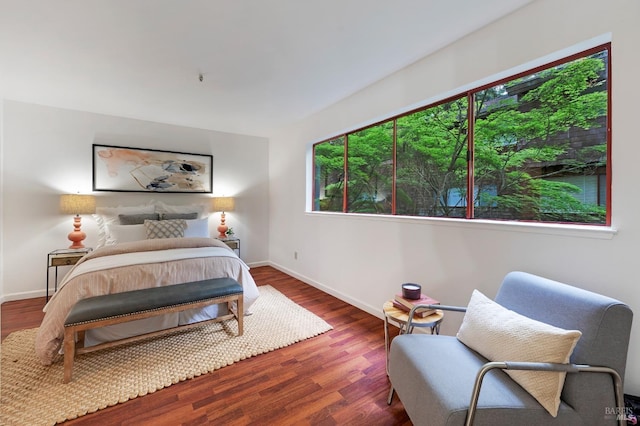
column 441, row 381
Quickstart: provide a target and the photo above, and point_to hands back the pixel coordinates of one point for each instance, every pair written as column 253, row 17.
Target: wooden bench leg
column 80, row 339
column 69, row 352
column 240, row 314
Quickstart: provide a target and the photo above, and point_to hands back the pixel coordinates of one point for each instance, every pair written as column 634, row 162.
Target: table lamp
column 223, row 204
column 77, row 204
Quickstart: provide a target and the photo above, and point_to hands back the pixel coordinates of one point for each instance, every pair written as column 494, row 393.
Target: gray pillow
column 137, row 219
column 186, row 216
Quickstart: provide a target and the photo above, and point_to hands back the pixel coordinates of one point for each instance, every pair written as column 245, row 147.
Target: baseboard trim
column 23, row 295
column 375, row 311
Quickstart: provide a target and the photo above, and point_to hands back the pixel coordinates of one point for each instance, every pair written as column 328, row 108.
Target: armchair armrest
column 441, row 307
column 545, row 366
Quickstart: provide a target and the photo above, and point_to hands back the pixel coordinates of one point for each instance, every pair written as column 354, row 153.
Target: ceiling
column 264, row 63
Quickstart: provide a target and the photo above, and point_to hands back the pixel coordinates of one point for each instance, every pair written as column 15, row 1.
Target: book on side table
column 408, row 304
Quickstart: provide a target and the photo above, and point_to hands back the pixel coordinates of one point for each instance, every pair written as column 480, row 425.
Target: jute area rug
column 32, row 394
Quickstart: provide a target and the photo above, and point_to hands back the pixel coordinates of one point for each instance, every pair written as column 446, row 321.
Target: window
column 533, row 147
column 328, row 159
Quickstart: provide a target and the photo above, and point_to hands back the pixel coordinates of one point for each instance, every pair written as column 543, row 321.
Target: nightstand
column 233, row 243
column 63, row 257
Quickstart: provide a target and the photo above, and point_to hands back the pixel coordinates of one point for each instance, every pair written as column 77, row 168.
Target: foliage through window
column 370, row 169
column 534, row 147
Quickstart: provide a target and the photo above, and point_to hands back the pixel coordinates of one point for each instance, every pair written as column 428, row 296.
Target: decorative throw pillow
column 500, row 334
column 200, row 209
column 138, row 219
column 165, row 228
column 186, row 216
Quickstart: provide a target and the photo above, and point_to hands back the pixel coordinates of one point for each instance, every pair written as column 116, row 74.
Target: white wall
column 1, row 197
column 47, row 152
column 364, row 259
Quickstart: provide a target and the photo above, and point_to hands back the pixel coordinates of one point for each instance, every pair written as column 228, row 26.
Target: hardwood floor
column 337, row 378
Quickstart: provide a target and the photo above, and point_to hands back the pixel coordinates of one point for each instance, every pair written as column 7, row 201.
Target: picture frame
column 125, row 169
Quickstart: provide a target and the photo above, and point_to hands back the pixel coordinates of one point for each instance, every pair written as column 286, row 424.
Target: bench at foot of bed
column 117, row 308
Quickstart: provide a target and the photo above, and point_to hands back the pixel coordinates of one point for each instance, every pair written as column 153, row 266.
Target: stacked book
column 408, row 304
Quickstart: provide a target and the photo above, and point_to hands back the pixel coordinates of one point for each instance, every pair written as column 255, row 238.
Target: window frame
column 469, row 94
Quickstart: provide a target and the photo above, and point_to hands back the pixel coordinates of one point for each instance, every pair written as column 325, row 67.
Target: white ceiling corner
column 264, row 64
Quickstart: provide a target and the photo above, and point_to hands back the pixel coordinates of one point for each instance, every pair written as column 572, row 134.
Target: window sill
column 557, row 229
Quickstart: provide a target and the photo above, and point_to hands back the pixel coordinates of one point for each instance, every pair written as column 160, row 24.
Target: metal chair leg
column 390, row 398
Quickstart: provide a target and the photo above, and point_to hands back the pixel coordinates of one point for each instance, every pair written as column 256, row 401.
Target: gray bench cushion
column 118, row 304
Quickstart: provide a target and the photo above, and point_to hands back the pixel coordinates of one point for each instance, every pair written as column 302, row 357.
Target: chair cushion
column 500, row 334
column 433, row 376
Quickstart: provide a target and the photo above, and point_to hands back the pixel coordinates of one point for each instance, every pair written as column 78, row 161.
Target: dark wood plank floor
column 337, row 378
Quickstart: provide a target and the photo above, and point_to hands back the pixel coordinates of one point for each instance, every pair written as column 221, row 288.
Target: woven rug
column 32, row 394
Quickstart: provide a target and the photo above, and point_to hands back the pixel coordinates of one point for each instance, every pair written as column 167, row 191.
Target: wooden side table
column 63, row 257
column 401, row 318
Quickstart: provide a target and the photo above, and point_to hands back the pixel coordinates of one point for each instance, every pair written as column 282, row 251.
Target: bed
column 134, row 263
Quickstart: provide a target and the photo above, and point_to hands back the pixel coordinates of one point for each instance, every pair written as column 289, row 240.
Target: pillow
column 127, row 233
column 165, row 228
column 169, row 216
column 137, row 219
column 197, row 228
column 200, row 209
column 500, row 334
column 106, row 216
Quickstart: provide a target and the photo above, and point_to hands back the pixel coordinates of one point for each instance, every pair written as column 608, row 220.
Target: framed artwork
column 122, row 169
